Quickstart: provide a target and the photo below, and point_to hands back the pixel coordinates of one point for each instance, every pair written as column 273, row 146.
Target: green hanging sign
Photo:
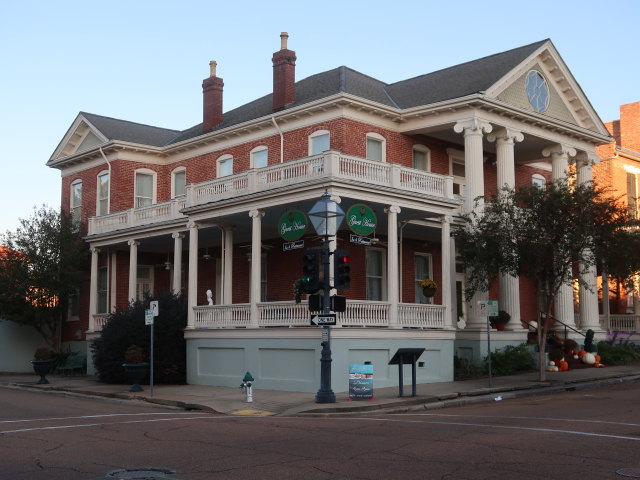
column 292, row 225
column 361, row 219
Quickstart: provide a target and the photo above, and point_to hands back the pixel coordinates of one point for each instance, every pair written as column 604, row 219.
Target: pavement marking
column 550, row 419
column 62, row 427
column 252, row 413
column 96, row 416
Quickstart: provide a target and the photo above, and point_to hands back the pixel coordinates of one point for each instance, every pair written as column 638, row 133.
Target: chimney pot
column 283, row 40
column 212, row 68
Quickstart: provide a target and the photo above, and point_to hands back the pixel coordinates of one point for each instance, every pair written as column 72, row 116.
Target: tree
column 544, row 234
column 40, row 268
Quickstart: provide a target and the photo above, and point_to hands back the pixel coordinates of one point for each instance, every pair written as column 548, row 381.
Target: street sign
column 359, row 239
column 154, row 308
column 482, row 309
column 492, row 308
column 292, row 245
column 323, row 319
column 148, row 317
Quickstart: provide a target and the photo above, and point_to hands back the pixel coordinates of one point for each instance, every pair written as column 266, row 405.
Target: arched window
column 376, row 147
column 259, row 157
column 145, row 187
column 319, row 141
column 178, row 181
column 225, row 166
column 75, row 204
column 538, row 180
column 102, row 194
column 421, row 158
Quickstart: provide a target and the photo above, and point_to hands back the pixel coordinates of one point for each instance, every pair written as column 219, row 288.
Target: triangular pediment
column 564, row 100
column 81, row 136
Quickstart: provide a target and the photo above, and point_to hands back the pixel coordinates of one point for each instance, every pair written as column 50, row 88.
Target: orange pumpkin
column 581, row 353
column 598, row 358
column 564, row 366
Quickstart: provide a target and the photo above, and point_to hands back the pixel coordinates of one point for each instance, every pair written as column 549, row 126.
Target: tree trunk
column 542, row 339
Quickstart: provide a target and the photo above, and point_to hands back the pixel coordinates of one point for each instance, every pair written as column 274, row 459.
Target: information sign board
column 360, row 381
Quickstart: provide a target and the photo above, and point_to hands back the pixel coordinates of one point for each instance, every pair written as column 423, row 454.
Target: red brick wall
column 630, row 126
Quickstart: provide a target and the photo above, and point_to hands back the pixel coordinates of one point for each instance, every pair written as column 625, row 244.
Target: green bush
column 510, row 360
column 465, row 369
column 621, row 354
column 126, row 327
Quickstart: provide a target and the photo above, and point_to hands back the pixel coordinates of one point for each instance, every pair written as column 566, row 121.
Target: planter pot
column 428, row 292
column 499, row 326
column 135, row 374
column 42, row 368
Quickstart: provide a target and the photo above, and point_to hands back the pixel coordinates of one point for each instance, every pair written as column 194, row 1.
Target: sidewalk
column 231, row 401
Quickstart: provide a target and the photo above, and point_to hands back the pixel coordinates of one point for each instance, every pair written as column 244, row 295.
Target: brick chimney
column 630, row 126
column 212, row 99
column 284, row 75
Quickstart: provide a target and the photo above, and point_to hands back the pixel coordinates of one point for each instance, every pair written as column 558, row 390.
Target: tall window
column 319, row 142
column 259, row 157
column 632, row 194
column 375, row 274
column 144, row 282
column 422, row 269
column 178, row 182
column 456, row 169
column 375, row 147
column 225, row 166
column 76, row 202
column 421, row 158
column 103, row 194
column 144, row 189
column 103, row 290
column 538, row 180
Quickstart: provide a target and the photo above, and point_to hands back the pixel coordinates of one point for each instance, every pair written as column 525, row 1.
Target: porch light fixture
column 326, row 217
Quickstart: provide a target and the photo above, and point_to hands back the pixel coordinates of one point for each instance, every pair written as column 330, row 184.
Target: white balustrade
column 624, row 323
column 416, row 315
column 223, row 316
column 99, row 319
column 158, row 212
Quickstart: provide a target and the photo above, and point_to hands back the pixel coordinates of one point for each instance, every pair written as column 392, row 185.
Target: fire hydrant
column 246, row 386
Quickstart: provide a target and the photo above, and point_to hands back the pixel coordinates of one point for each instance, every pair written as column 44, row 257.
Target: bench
column 74, row 362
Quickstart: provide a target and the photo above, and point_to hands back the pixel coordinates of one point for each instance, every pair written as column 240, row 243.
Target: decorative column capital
column 586, row 159
column 559, row 149
column 177, row 235
column 446, row 219
column 191, row 225
column 133, row 243
column 506, row 135
column 392, row 209
column 256, row 213
column 472, row 126
column 94, row 250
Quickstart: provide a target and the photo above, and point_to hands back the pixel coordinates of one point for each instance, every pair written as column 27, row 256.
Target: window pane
column 102, row 290
column 422, row 267
column 179, row 180
column 76, row 195
column 144, row 189
column 319, row 144
column 457, row 169
column 225, row 167
column 259, row 159
column 103, row 194
column 374, row 149
column 420, row 160
column 374, row 275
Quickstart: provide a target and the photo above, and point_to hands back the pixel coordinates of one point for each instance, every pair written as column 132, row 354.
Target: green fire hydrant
column 247, row 386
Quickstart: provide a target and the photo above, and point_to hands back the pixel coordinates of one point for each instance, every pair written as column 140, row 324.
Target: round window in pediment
column 537, row 91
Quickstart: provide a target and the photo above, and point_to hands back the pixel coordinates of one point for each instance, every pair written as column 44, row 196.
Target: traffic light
column 315, row 303
column 341, row 270
column 311, row 271
column 338, row 303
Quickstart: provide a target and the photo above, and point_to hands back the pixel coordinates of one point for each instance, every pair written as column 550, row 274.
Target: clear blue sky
column 144, row 61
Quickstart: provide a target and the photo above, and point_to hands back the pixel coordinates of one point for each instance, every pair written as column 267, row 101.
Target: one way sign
column 324, row 319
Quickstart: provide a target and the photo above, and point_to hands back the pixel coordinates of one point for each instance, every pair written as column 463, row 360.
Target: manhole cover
column 629, row 472
column 140, row 473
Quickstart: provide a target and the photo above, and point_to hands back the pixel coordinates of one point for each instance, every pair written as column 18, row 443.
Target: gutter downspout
column 273, row 119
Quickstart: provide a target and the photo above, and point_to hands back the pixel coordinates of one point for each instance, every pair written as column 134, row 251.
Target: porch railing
column 621, row 323
column 360, row 313
column 158, row 212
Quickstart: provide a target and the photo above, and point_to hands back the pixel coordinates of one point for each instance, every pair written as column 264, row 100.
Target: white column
column 133, row 269
column 473, row 129
column 228, row 266
column 392, row 264
column 445, row 281
column 589, row 316
column 192, row 293
column 93, row 288
column 559, row 170
column 256, row 255
column 176, row 284
column 509, row 297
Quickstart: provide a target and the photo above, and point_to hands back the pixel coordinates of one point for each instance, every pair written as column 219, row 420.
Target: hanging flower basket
column 428, row 292
column 429, row 287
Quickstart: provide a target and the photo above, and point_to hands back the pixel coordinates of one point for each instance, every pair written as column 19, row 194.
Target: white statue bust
column 210, row 297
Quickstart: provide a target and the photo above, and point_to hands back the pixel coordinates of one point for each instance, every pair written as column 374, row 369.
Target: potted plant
column 135, row 366
column 42, row 363
column 298, row 289
column 429, row 287
column 500, row 321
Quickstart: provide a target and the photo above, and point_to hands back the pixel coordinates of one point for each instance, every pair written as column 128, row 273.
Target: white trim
column 180, row 169
column 154, row 175
column 223, row 159
column 318, row 133
column 260, row 148
column 383, row 145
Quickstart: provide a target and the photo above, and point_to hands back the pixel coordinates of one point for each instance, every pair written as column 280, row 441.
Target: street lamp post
column 326, row 216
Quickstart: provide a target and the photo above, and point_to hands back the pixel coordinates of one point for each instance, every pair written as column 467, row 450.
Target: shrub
column 43, row 353
column 510, row 360
column 465, row 369
column 622, row 354
column 127, row 327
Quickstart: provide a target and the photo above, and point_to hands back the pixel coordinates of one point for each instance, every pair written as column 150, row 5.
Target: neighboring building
column 200, row 209
column 619, row 170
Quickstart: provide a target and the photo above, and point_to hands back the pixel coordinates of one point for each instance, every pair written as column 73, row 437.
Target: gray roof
column 450, row 83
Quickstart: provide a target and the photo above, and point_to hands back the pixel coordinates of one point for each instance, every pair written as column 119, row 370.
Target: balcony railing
column 360, row 313
column 158, row 212
column 621, row 323
column 329, row 165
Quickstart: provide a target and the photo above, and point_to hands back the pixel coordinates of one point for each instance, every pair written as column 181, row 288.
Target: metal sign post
column 484, row 311
column 155, row 312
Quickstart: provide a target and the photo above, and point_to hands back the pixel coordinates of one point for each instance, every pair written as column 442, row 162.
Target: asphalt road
column 592, row 434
